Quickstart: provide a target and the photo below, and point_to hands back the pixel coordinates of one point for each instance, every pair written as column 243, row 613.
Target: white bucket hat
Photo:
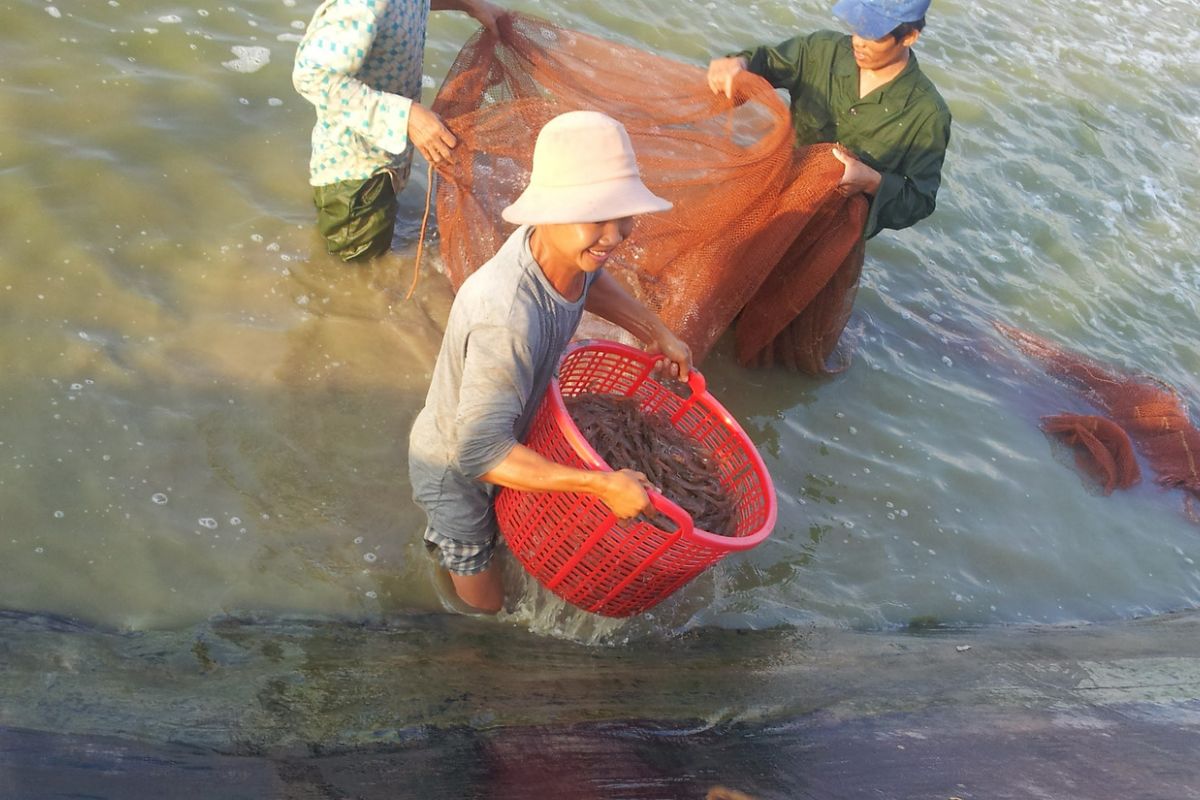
column 584, row 170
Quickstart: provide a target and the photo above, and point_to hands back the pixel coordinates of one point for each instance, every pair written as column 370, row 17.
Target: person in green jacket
column 866, row 93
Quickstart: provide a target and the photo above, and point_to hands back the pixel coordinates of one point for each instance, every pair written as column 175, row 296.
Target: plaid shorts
column 461, row 558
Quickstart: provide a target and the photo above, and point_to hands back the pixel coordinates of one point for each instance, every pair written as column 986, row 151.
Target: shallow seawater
column 203, row 415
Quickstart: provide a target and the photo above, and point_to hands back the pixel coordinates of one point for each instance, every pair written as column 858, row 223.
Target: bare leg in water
column 483, row 591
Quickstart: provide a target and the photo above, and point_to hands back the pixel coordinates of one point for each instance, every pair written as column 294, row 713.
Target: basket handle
column 697, row 387
column 666, row 510
column 695, row 380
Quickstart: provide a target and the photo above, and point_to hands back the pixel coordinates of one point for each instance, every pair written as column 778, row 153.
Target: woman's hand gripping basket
column 574, row 545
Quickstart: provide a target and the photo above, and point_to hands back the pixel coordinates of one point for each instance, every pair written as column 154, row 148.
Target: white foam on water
column 54, row 12
column 248, row 58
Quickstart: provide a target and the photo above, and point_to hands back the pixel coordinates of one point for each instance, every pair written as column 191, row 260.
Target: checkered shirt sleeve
column 360, row 65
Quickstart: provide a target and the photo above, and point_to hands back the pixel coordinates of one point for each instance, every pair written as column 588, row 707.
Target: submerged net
column 758, row 232
column 1149, row 412
column 1102, row 448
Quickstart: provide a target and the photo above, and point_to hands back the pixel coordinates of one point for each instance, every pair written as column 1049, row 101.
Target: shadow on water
column 440, row 706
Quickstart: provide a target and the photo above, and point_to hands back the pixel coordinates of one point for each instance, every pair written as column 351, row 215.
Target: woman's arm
column 327, row 61
column 608, row 299
column 486, row 13
column 623, row 491
column 497, row 374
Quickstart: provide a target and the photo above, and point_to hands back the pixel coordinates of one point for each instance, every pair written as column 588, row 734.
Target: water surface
column 203, row 415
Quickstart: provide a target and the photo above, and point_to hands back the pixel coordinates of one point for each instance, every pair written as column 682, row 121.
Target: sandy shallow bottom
column 438, row 706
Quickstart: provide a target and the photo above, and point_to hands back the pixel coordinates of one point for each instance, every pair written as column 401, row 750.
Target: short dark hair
column 905, row 28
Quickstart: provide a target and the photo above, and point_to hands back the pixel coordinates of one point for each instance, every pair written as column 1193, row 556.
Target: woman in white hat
column 508, row 327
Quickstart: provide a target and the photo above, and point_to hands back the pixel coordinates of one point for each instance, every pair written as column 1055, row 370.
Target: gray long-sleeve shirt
column 507, row 330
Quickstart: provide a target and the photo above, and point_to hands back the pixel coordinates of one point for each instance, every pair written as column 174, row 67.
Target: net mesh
column 1150, row 412
column 758, row 236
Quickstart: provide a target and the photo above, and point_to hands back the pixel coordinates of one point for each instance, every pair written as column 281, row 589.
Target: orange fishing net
column 1150, row 412
column 1102, row 449
column 758, row 232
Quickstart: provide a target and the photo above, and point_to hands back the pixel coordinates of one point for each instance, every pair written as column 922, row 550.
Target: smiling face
column 568, row 250
column 879, row 54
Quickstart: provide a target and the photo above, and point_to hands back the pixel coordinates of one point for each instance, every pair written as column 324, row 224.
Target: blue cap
column 874, row 19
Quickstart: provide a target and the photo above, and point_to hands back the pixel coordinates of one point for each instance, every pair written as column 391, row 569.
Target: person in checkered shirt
column 360, row 65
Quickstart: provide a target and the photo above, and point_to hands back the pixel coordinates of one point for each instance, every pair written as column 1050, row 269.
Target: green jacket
column 901, row 129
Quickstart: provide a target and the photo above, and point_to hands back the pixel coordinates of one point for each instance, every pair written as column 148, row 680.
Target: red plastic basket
column 574, row 545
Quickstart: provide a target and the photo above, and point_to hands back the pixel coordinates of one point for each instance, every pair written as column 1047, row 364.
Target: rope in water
column 421, row 239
